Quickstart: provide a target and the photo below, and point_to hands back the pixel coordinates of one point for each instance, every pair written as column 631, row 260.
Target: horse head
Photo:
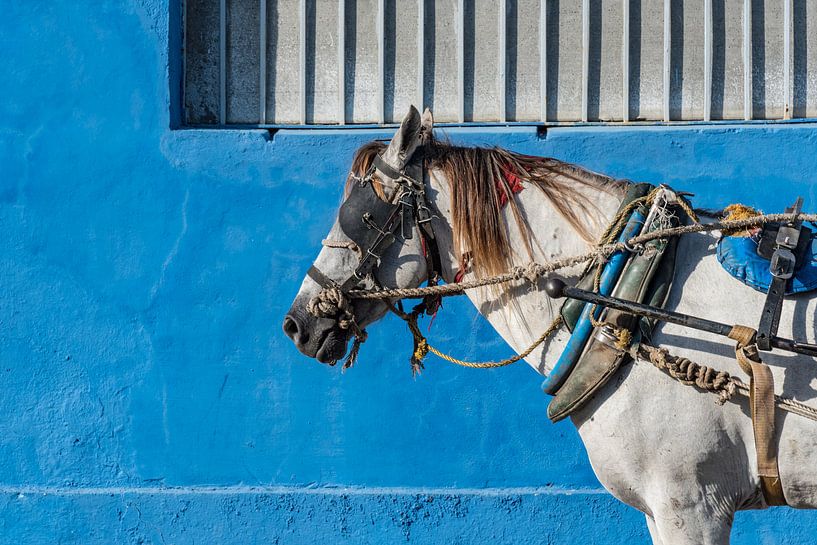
column 377, row 240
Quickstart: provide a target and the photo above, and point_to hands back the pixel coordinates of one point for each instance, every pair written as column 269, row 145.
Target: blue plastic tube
column 584, row 327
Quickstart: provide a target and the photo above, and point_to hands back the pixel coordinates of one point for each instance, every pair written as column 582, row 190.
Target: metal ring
column 634, row 249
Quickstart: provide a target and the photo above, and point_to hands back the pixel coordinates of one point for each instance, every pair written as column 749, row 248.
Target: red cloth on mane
column 514, row 183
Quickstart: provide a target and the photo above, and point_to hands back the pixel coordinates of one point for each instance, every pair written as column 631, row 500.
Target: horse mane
column 482, row 182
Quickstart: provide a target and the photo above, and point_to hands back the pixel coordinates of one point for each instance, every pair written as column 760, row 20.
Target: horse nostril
column 294, row 330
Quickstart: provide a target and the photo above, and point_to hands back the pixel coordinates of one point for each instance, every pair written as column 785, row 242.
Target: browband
column 387, row 169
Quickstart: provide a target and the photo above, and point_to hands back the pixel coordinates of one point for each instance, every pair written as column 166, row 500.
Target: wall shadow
column 718, row 58
column 552, row 48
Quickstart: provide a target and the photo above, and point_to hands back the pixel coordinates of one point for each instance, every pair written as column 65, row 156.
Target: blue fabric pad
column 739, row 257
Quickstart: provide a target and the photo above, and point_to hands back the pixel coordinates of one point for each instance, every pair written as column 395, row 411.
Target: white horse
column 663, row 448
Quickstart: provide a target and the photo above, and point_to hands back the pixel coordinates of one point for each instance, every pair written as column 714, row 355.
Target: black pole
column 556, row 289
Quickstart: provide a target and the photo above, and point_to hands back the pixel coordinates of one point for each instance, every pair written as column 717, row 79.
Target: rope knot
column 727, row 391
column 332, row 303
column 690, row 373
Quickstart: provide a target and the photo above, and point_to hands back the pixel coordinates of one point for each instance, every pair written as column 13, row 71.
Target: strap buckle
column 788, row 236
column 782, row 263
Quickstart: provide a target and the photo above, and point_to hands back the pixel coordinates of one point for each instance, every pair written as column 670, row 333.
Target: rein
column 334, row 300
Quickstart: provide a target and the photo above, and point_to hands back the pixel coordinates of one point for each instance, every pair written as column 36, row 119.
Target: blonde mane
column 480, row 181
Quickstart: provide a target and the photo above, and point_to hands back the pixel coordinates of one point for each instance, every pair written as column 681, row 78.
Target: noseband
column 373, row 225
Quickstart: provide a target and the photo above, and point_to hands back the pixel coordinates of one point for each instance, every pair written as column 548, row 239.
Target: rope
column 708, row 379
column 332, row 303
column 344, row 244
column 422, row 347
column 557, row 322
column 533, row 271
column 688, row 372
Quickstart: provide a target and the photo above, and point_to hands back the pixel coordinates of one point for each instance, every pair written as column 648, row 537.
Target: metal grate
column 317, row 62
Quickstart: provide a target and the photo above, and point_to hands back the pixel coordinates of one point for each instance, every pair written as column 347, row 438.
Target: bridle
column 373, row 225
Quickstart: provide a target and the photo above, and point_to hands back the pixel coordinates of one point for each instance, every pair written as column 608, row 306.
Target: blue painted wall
column 148, row 394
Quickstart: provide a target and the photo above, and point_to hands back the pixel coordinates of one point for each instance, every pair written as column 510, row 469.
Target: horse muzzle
column 318, row 338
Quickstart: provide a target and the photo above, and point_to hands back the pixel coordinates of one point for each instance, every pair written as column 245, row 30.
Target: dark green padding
column 572, row 308
column 646, row 278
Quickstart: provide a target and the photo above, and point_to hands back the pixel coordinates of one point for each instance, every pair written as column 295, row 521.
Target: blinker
column 363, row 215
column 373, row 224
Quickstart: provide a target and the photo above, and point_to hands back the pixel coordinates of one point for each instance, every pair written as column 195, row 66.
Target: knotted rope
column 708, row 379
column 332, row 303
column 688, row 372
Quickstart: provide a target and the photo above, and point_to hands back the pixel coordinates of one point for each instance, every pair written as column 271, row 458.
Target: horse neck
column 523, row 312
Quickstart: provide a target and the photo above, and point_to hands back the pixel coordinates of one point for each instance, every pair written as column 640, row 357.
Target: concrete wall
column 148, row 394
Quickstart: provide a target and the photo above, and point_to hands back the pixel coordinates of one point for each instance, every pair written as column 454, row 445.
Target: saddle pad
column 739, row 257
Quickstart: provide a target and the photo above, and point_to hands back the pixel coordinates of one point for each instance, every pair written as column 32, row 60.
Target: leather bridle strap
column 323, row 281
column 387, row 169
column 371, row 257
column 761, row 401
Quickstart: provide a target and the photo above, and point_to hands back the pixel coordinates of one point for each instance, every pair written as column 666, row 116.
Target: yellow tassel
column 422, row 350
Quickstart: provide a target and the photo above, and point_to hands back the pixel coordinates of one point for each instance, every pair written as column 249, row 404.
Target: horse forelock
column 482, row 181
column 361, row 163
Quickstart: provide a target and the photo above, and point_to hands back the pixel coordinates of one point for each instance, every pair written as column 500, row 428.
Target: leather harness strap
column 387, row 169
column 783, row 264
column 761, row 401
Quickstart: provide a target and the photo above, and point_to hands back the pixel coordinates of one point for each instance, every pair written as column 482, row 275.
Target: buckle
column 369, row 222
column 788, row 236
column 782, row 263
column 606, row 335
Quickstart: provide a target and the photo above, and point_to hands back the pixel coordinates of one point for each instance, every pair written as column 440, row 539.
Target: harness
column 627, row 298
column 783, row 245
column 373, row 225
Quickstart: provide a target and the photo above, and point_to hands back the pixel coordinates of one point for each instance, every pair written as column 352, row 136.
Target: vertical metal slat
column 625, row 61
column 421, row 34
column 460, row 61
column 381, row 63
column 787, row 95
column 222, row 62
column 302, row 62
column 341, row 62
column 585, row 55
column 747, row 59
column 262, row 62
column 707, row 60
column 503, row 51
column 543, row 56
column 667, row 56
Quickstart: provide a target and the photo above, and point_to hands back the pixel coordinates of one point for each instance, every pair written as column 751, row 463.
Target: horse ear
column 405, row 140
column 427, row 123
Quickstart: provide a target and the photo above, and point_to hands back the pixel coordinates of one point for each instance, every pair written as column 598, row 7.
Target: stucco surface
column 148, row 393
